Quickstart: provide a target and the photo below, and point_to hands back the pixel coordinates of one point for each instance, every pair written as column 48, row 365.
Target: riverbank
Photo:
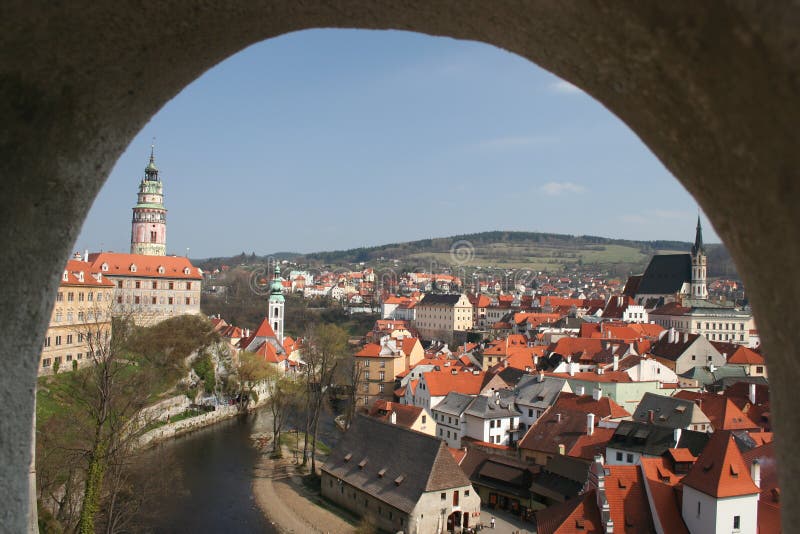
column 289, row 504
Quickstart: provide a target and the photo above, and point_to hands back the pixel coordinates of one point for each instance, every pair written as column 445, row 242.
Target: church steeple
column 699, row 265
column 698, row 239
column 276, row 303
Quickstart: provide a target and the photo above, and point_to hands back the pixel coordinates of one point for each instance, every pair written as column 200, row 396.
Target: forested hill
column 500, row 249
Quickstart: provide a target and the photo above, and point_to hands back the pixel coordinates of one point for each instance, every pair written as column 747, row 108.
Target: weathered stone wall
column 184, row 426
column 711, row 87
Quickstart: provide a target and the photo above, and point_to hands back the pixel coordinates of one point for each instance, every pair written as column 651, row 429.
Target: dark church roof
column 666, row 274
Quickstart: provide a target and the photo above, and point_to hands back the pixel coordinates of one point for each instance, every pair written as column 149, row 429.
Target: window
column 423, row 419
column 170, row 300
column 619, row 456
column 189, row 286
column 630, row 458
column 382, row 375
column 70, row 296
column 189, row 301
column 381, row 387
column 58, row 340
column 46, row 362
column 69, row 357
column 698, row 508
column 760, row 369
column 80, row 296
column 736, row 521
column 80, row 355
column 60, row 297
column 172, row 285
column 90, row 297
column 466, row 493
column 155, row 284
column 69, row 339
column 136, row 299
column 444, row 496
column 137, row 284
column 530, row 412
column 119, row 284
column 119, row 300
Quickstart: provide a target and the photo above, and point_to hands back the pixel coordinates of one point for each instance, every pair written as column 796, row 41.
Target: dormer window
column 104, row 267
column 133, row 267
column 161, row 269
column 186, row 270
column 65, row 277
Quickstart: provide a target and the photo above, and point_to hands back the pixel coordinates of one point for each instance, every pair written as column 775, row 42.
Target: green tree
column 283, row 393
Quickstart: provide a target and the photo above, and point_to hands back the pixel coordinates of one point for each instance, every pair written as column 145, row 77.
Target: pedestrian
column 491, row 523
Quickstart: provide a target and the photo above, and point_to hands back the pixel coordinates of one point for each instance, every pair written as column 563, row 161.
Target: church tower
column 699, row 264
column 275, row 304
column 149, row 225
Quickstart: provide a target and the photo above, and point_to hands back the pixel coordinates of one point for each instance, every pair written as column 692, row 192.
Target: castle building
column 81, row 318
column 150, row 286
column 149, row 224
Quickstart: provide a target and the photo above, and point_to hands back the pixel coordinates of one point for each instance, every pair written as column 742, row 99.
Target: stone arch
column 710, row 87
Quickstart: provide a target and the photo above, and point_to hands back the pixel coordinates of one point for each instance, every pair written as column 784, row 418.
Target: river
column 202, row 482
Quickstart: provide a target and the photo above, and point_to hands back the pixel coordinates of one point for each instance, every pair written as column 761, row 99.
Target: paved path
column 288, row 504
column 504, row 522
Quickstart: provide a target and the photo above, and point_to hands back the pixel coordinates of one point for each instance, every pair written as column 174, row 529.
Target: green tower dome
column 276, row 287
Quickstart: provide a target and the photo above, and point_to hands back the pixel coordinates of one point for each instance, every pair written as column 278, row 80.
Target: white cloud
column 563, row 86
column 559, row 188
column 520, row 141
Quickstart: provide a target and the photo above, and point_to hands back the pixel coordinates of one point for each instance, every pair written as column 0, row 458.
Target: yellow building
column 81, row 317
column 438, row 316
column 379, row 364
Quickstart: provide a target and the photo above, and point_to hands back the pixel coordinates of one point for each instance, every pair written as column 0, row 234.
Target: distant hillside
column 507, row 250
column 532, row 250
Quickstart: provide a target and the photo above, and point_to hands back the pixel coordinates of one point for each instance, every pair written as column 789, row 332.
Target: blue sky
column 329, row 139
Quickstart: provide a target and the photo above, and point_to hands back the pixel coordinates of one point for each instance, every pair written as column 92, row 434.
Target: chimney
column 597, row 394
column 562, row 449
column 579, row 390
column 616, row 363
column 571, row 369
column 755, row 473
column 676, row 435
column 650, row 416
column 541, row 376
column 558, row 417
column 393, row 418
column 751, row 394
column 589, row 424
column 686, row 337
column 86, row 254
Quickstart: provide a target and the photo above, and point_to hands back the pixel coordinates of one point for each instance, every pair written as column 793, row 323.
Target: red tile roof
column 721, row 471
column 661, row 482
column 602, row 408
column 630, row 510
column 578, row 515
column 405, row 414
column 370, row 350
column 440, row 383
column 587, row 447
column 745, row 356
column 264, row 329
column 74, row 268
column 146, row 266
column 720, row 410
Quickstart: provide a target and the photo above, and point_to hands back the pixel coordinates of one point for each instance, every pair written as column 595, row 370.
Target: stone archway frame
column 710, row 87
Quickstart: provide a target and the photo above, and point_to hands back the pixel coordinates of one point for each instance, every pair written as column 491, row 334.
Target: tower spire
column 698, row 239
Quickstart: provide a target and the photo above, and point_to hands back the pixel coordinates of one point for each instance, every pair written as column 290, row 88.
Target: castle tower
column 149, row 224
column 275, row 304
column 699, row 264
